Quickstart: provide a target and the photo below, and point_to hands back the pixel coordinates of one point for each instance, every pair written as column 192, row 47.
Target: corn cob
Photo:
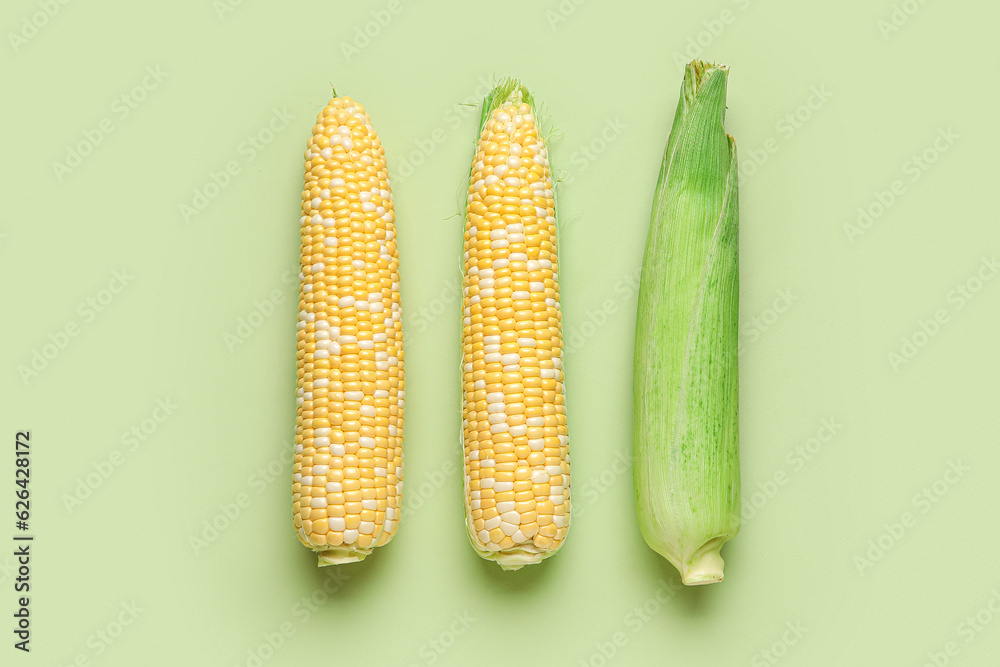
column 686, row 441
column 348, row 469
column 514, row 427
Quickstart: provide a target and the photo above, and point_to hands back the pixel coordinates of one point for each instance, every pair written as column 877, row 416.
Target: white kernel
column 350, row 536
column 499, row 428
column 334, row 487
column 321, row 441
column 336, row 523
column 500, row 487
column 369, row 504
column 518, row 430
column 508, row 528
column 491, row 523
column 536, row 444
column 318, row 502
column 354, row 395
column 540, row 477
column 506, row 507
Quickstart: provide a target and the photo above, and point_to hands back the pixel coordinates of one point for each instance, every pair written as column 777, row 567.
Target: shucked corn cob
column 514, row 426
column 686, row 445
column 348, row 471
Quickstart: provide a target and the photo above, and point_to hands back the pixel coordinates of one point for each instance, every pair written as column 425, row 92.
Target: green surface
column 608, row 76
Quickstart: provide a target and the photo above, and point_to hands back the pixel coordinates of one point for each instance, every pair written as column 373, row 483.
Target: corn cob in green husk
column 686, row 432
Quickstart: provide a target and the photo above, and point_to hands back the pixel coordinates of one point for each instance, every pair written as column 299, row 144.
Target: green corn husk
column 686, row 430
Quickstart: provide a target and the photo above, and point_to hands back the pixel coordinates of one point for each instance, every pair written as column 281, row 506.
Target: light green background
column 611, row 68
